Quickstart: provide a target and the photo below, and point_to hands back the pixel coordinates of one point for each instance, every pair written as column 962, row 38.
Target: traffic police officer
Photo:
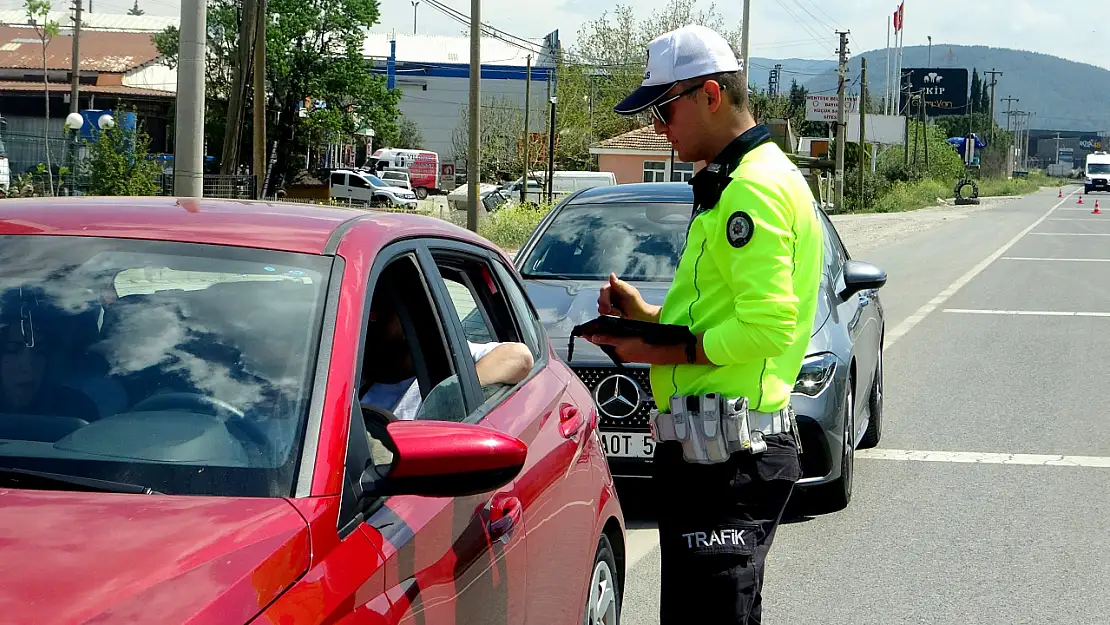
column 746, row 287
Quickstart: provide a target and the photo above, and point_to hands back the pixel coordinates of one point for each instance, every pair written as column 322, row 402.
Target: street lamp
column 74, row 122
column 415, row 3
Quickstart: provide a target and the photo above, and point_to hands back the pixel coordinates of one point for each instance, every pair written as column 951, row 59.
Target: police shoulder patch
column 739, row 229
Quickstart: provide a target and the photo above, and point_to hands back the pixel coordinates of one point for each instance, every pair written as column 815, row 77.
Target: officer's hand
column 621, row 299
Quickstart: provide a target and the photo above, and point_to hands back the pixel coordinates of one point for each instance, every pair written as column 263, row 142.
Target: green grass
column 908, row 196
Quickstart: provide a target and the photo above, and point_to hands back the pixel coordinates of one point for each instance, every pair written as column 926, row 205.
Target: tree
column 119, row 163
column 409, row 136
column 135, row 10
column 39, row 11
column 976, row 92
column 313, row 52
column 608, row 63
column 499, row 140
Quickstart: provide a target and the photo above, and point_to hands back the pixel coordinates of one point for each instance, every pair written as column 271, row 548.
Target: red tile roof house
column 642, row 156
column 116, row 69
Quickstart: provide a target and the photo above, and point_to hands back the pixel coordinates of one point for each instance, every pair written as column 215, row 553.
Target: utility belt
column 710, row 427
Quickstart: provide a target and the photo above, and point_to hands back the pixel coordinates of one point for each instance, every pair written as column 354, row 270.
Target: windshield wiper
column 87, row 484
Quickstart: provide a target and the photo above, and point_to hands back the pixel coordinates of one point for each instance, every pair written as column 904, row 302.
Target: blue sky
column 780, row 28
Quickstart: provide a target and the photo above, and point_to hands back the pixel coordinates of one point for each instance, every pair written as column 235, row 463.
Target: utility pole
column 527, row 135
column 473, row 158
column 74, row 89
column 551, row 153
column 260, row 100
column 1009, row 100
column 744, row 30
column 188, row 175
column 1028, row 127
column 842, row 69
column 415, row 3
column 862, row 124
column 994, row 81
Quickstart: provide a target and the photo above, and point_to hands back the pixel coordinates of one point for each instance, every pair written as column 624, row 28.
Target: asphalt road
column 998, row 323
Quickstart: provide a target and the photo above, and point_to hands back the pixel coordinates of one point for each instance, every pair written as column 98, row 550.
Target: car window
column 358, row 182
column 407, row 365
column 376, row 181
column 181, row 367
column 835, row 253
column 338, row 178
column 637, row 240
column 482, row 305
column 523, row 311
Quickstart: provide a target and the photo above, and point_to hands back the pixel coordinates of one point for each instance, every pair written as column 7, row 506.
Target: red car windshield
column 185, row 368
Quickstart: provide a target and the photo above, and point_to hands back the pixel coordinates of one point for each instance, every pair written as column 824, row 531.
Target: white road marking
column 1072, row 219
column 1071, row 234
column 1047, row 460
column 907, row 324
column 1079, row 208
column 1030, row 313
column 1059, row 260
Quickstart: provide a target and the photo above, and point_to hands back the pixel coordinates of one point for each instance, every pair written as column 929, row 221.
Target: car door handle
column 570, row 421
column 504, row 515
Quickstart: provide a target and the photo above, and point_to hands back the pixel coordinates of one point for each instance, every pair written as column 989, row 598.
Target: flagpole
column 886, row 92
column 901, row 41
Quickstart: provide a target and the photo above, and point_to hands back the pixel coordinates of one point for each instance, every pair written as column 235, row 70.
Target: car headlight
column 816, row 374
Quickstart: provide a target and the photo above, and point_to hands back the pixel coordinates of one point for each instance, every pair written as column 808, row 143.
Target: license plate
column 627, row 444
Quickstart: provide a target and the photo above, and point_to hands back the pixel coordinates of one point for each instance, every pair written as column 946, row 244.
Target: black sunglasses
column 658, row 109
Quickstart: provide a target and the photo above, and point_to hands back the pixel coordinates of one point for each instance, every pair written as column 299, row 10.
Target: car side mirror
column 861, row 276
column 445, row 459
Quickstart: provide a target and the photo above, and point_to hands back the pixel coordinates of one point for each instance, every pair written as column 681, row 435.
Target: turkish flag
column 898, row 17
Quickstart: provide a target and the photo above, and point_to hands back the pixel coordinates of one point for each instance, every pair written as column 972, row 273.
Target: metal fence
column 26, row 152
column 28, row 184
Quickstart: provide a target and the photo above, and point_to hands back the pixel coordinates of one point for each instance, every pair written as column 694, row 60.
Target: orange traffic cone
column 1060, row 194
column 1096, row 211
column 1081, row 198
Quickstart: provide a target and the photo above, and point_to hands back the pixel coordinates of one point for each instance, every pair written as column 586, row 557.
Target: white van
column 365, row 188
column 1097, row 172
column 562, row 183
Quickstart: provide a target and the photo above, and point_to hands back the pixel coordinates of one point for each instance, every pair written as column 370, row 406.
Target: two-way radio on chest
column 710, row 183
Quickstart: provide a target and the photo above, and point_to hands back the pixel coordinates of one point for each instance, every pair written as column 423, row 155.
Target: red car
column 182, row 438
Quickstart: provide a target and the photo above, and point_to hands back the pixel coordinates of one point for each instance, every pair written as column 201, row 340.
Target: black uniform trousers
column 716, row 526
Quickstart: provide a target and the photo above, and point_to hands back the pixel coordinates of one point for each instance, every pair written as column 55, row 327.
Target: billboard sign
column 823, row 108
column 944, row 90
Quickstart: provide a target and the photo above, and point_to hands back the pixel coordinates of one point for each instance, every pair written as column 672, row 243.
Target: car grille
column 637, row 421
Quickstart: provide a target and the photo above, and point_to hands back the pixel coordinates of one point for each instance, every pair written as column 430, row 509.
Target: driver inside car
column 24, row 381
column 391, row 377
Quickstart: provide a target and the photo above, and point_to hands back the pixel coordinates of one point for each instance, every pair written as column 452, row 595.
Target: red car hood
column 68, row 557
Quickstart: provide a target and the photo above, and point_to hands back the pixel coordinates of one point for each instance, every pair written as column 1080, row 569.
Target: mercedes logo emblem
column 618, row 396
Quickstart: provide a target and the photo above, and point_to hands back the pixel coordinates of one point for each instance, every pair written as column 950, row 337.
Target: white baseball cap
column 688, row 52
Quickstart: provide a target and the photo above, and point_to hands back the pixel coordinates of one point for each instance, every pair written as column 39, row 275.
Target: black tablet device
column 650, row 333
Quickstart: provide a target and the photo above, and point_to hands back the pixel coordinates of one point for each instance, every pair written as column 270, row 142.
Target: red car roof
column 291, row 227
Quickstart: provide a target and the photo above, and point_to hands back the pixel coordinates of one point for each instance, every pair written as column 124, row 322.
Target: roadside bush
column 510, row 227
column 904, row 196
column 874, row 187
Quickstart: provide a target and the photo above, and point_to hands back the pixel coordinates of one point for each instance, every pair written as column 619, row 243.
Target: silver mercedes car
column 637, row 231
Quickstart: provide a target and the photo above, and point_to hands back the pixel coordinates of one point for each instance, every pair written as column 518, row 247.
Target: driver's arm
column 508, row 363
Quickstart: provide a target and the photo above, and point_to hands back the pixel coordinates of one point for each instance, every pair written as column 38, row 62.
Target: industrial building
column 433, row 74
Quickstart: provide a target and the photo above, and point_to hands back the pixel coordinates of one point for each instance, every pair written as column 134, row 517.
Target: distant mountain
column 792, row 69
column 1065, row 95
